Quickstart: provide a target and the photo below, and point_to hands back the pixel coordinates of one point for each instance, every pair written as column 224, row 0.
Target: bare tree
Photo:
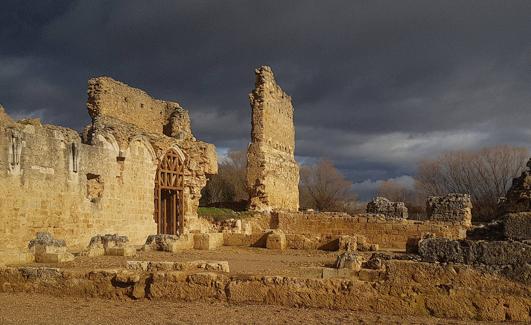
column 229, row 185
column 394, row 191
column 324, row 188
column 485, row 174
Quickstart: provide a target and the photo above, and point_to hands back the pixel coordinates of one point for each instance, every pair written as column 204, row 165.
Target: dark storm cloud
column 376, row 84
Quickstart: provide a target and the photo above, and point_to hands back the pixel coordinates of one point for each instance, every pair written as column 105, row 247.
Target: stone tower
column 272, row 172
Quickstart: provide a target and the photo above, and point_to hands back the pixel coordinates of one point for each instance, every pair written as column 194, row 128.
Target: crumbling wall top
column 113, row 99
column 453, row 207
column 4, row 118
column 381, row 205
column 272, row 172
column 518, row 198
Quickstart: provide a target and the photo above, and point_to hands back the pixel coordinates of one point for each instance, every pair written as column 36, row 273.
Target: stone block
column 94, row 251
column 54, row 257
column 313, row 271
column 349, row 260
column 137, row 265
column 221, row 266
column 348, row 243
column 161, row 242
column 517, row 226
column 276, row 239
column 183, row 243
column 121, row 251
column 369, row 275
column 45, row 249
column 208, row 241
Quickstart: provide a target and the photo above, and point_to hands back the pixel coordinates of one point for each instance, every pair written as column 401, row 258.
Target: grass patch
column 220, row 214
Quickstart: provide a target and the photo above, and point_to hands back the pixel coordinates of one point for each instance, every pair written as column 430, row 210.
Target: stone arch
column 178, row 151
column 108, row 141
column 142, row 139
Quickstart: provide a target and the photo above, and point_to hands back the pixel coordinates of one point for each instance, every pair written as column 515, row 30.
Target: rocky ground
column 22, row 308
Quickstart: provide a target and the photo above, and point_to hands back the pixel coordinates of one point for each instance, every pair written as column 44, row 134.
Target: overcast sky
column 376, row 85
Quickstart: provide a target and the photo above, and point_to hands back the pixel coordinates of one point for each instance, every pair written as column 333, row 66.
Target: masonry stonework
column 77, row 186
column 389, row 209
column 453, row 207
column 272, row 172
column 518, row 197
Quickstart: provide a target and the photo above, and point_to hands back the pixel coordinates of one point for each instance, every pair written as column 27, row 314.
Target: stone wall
column 272, row 172
column 451, row 208
column 383, row 206
column 76, row 186
column 70, row 189
column 387, row 233
column 404, row 288
column 518, row 198
column 110, row 98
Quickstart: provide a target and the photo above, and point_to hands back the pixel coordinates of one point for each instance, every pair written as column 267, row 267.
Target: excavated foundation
column 403, row 288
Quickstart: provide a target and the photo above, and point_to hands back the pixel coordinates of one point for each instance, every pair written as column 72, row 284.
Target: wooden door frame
column 170, row 176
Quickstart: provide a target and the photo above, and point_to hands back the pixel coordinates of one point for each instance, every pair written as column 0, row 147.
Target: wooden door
column 169, row 186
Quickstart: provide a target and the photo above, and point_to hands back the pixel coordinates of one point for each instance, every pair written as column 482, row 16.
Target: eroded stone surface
column 349, row 260
column 389, row 209
column 518, row 197
column 272, row 172
column 453, row 207
column 276, row 239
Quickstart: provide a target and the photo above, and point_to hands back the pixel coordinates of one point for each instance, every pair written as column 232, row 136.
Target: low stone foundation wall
column 384, row 232
column 406, row 288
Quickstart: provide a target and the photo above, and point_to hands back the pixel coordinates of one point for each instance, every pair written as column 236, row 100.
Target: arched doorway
column 169, row 186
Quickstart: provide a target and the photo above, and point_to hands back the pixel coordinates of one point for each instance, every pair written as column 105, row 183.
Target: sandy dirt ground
column 242, row 260
column 40, row 309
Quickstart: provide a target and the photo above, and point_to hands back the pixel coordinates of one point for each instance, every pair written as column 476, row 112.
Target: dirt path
column 242, row 260
column 40, row 309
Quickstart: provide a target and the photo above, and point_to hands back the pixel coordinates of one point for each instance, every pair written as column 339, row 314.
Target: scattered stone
column 112, row 245
column 49, row 250
column 374, row 263
column 349, row 260
column 381, row 205
column 45, row 239
column 161, row 242
column 347, row 243
column 108, row 241
column 160, row 266
column 276, row 239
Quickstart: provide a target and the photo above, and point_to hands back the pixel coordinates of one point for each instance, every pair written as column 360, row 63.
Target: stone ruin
column 272, row 172
column 383, row 206
column 503, row 245
column 49, row 250
column 136, row 170
column 518, row 197
column 110, row 179
column 113, row 245
column 453, row 207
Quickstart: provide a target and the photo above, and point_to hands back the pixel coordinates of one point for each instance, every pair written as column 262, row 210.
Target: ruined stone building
column 135, row 170
column 272, row 172
column 381, row 205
